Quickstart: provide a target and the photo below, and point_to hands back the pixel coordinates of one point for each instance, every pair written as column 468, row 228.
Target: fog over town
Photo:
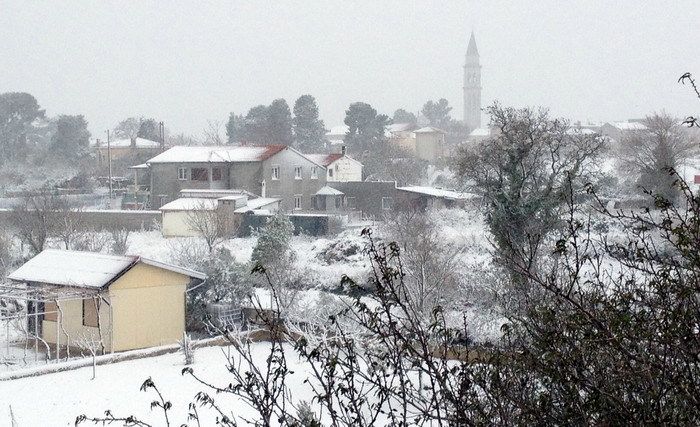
column 186, row 64
column 367, row 213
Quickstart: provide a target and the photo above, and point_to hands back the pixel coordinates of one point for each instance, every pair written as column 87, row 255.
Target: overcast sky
column 188, row 62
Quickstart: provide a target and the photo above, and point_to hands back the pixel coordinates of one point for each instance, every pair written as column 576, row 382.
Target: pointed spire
column 471, row 49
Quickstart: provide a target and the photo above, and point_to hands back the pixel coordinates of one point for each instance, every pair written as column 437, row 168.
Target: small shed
column 119, row 302
column 177, row 215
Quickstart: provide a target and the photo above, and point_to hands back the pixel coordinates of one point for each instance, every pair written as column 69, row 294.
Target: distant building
column 339, row 167
column 430, row 143
column 426, row 143
column 125, row 149
column 472, row 86
column 275, row 171
column 479, row 134
column 335, row 138
column 375, row 199
column 618, row 130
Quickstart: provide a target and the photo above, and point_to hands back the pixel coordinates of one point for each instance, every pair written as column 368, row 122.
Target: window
column 90, row 309
column 330, row 173
column 182, row 174
column 314, row 172
column 275, row 172
column 216, row 174
column 297, row 202
column 199, row 174
column 386, row 203
column 350, row 202
column 338, row 202
column 51, row 311
column 297, row 172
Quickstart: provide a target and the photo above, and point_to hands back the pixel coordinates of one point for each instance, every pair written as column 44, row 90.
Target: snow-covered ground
column 326, row 274
column 56, row 399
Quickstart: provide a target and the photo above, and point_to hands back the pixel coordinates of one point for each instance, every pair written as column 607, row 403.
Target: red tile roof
column 324, row 159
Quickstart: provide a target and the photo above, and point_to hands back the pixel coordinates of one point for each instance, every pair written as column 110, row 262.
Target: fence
column 313, row 225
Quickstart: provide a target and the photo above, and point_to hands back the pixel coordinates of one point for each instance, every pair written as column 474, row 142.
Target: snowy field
column 65, row 395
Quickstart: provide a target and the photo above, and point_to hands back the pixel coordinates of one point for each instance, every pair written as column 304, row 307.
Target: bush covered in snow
column 228, row 282
column 346, row 246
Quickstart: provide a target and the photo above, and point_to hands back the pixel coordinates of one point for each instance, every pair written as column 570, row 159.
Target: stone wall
column 105, row 219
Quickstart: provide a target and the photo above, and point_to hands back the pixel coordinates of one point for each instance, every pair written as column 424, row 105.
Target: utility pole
column 109, row 162
column 162, row 136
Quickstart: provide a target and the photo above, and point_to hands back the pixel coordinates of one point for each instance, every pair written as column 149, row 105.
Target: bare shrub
column 212, row 225
column 93, row 241
column 32, row 219
column 120, row 240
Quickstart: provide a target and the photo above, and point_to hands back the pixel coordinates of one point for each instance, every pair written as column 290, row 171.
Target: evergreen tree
column 437, row 113
column 308, row 129
column 366, row 127
column 235, row 128
column 72, row 136
column 403, row 116
column 279, row 123
column 18, row 111
column 255, row 130
column 273, row 242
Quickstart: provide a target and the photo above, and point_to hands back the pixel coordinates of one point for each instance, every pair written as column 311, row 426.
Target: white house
column 339, row 167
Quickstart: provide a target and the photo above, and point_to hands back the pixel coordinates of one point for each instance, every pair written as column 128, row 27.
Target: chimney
column 133, row 142
column 343, row 149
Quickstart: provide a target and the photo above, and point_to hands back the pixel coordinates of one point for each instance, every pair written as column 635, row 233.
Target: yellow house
column 114, row 303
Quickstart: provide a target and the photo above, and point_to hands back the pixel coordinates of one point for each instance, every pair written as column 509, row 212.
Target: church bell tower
column 472, row 86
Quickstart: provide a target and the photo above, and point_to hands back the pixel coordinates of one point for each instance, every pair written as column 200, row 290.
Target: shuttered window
column 90, row 310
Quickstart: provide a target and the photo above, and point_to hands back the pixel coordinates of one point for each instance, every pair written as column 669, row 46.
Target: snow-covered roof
column 141, row 166
column 328, row 191
column 580, row 131
column 234, row 197
column 84, row 269
column 190, row 204
column 257, row 204
column 428, row 129
column 400, row 127
column 480, row 132
column 126, row 142
column 629, row 125
column 323, row 159
column 435, row 192
column 218, row 154
column 338, row 130
column 326, row 160
column 215, row 193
